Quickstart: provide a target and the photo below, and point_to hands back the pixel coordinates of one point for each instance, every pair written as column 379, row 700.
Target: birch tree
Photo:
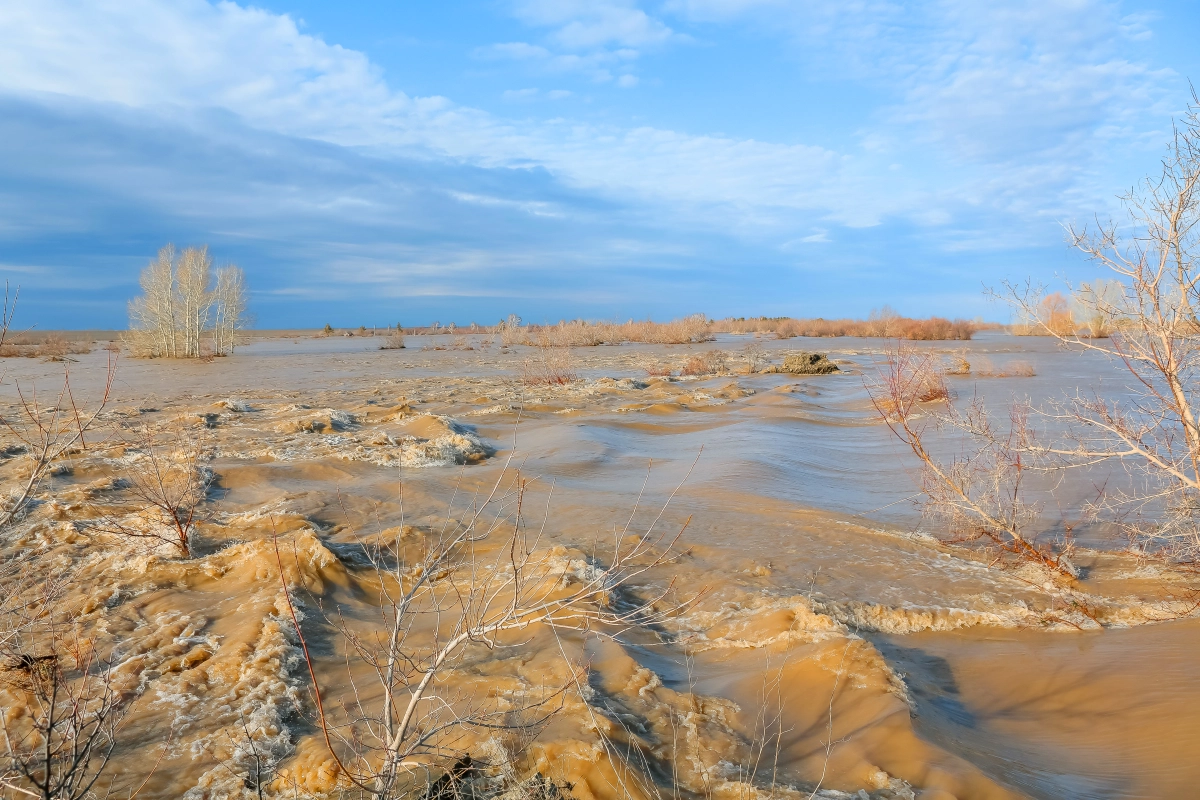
column 229, row 308
column 181, row 303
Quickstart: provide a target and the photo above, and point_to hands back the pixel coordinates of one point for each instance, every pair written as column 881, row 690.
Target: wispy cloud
column 157, row 120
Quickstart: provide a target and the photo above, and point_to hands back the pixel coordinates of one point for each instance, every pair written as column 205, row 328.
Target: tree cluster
column 187, row 309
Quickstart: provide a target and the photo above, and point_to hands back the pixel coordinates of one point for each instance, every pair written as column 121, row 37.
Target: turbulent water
column 814, row 641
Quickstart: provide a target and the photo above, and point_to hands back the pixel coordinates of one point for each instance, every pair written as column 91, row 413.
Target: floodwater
column 813, row 641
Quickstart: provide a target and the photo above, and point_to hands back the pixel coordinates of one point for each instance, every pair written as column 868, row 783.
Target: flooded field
column 802, row 637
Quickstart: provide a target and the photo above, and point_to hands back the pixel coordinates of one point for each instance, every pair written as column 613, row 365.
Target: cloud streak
column 127, row 124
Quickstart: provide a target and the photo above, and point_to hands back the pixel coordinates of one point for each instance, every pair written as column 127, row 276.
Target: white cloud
column 516, row 95
column 588, row 24
column 1013, row 105
column 192, row 56
column 518, row 51
column 627, row 81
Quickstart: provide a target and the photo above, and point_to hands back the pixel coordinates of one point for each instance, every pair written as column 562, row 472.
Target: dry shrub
column 691, row 329
column 711, row 362
column 511, row 333
column 883, row 323
column 393, row 341
column 790, row 328
column 53, row 346
column 658, row 371
column 976, row 494
column 1013, row 369
column 551, row 365
column 1019, row 369
column 957, row 364
column 755, row 356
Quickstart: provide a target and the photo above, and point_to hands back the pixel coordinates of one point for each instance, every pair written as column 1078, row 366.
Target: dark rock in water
column 803, row 363
column 453, row 785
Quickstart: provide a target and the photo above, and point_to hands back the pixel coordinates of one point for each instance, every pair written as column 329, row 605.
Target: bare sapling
column 979, row 493
column 62, row 711
column 755, row 356
column 7, row 312
column 165, row 488
column 485, row 580
column 1144, row 323
column 46, row 434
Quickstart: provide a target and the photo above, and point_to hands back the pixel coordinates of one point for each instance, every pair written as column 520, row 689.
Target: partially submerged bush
column 551, row 365
column 393, row 341
column 54, row 346
column 711, row 362
column 691, row 329
column 1013, row 369
column 804, row 363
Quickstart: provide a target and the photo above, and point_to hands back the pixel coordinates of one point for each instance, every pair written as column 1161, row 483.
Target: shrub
column 712, row 362
column 393, row 341
column 883, row 323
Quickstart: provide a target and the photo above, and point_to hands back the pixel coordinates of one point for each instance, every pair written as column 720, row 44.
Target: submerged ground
column 825, row 645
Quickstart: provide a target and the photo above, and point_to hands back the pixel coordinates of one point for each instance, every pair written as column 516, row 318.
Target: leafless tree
column 7, row 312
column 165, row 488
column 45, row 434
column 228, row 308
column 60, row 742
column 193, row 274
column 484, row 581
column 755, row 356
column 1149, row 314
column 180, row 303
column 977, row 492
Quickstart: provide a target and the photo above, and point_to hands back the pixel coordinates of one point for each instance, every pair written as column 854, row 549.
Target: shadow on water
column 1081, row 716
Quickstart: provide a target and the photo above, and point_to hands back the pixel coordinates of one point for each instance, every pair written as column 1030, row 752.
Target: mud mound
column 327, row 421
column 804, row 363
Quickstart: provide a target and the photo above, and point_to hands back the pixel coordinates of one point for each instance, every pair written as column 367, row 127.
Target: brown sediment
column 803, row 624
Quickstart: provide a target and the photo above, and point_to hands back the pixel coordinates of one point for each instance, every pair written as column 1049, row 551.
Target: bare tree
column 193, row 276
column 153, row 317
column 977, row 493
column 46, row 434
column 228, row 308
column 1154, row 340
column 61, row 744
column 180, row 303
column 7, row 312
column 484, row 581
column 165, row 487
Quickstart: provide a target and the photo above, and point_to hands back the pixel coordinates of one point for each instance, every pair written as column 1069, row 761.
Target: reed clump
column 877, row 326
column 692, row 329
column 54, row 346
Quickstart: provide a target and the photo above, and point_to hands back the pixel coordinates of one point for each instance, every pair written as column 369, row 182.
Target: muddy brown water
column 829, row 649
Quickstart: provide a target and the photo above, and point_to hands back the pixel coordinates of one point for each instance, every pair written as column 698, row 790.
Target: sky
column 375, row 163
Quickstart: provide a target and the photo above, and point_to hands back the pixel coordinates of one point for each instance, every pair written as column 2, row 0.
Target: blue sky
column 375, row 162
